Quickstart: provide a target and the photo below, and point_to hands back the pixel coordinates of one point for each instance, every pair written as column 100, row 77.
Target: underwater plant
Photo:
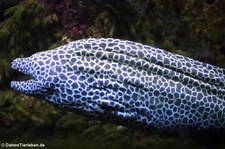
column 25, row 27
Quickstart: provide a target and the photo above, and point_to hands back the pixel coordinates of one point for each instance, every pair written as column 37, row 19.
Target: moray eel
column 127, row 83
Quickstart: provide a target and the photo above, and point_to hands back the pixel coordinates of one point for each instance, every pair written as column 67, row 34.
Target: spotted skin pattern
column 127, row 83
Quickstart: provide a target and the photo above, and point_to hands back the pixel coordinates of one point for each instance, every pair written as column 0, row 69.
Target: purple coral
column 72, row 15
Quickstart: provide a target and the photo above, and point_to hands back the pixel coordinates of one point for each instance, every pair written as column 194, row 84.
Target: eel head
column 57, row 81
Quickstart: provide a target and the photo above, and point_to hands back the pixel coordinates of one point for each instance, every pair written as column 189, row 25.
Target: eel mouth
column 21, row 68
column 21, row 77
column 26, row 82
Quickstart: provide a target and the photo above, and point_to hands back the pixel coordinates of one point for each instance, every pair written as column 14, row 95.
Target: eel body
column 127, row 83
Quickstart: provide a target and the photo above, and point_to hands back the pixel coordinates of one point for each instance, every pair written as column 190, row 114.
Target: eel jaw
column 29, row 87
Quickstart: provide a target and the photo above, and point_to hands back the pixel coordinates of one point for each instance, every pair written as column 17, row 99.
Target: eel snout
column 22, row 65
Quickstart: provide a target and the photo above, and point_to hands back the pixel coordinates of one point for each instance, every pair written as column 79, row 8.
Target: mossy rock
column 71, row 124
column 91, row 131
